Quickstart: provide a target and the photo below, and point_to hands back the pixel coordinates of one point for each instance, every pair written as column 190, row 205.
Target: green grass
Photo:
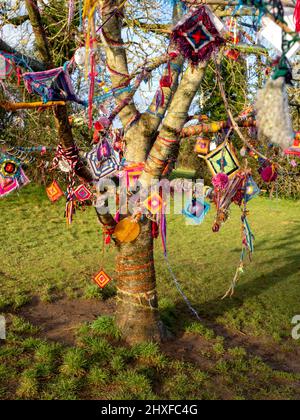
column 40, row 256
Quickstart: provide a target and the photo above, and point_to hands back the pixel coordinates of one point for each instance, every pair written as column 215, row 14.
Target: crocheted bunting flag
column 54, row 192
column 102, row 169
column 196, row 210
column 196, row 36
column 252, row 189
column 223, row 159
column 82, row 193
column 102, row 279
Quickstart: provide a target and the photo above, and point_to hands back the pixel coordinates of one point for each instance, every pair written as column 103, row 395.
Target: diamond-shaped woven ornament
column 82, row 193
column 54, row 192
column 102, row 279
column 101, row 169
column 154, row 203
column 196, row 36
column 223, row 159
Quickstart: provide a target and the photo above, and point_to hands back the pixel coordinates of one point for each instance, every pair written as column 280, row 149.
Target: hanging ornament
column 273, row 117
column 268, row 172
column 252, row 189
column 82, row 193
column 6, row 67
column 9, row 166
column 132, row 173
column 64, row 166
column 196, row 36
column 79, row 57
column 154, row 203
column 127, row 230
column 202, row 145
column 7, row 186
column 196, row 210
column 54, row 192
column 103, row 168
column 220, row 181
column 102, row 279
column 233, row 37
column 223, row 159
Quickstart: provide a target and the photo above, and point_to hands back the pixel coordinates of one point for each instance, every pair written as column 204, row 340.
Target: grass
column 40, row 256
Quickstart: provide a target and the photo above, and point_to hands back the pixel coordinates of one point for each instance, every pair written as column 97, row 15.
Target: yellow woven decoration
column 127, row 230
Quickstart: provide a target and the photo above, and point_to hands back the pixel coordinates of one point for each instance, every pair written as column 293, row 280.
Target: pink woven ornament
column 220, row 181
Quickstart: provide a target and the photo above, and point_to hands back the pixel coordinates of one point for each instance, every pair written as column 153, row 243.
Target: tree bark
column 137, row 305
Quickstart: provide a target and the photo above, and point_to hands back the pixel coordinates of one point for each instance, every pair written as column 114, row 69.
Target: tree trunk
column 137, row 307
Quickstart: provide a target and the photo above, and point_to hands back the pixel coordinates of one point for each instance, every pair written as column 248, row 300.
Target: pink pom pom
column 220, row 181
column 269, row 174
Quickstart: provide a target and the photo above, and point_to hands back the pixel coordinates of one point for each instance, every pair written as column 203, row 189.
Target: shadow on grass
column 176, row 315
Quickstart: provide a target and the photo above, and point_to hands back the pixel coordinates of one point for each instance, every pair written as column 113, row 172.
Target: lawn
column 242, row 350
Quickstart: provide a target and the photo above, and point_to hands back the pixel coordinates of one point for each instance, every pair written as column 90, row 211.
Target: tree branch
column 16, row 21
column 116, row 54
column 60, row 112
column 32, row 62
column 167, row 143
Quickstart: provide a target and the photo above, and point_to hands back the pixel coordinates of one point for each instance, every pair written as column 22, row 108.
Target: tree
column 154, row 138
